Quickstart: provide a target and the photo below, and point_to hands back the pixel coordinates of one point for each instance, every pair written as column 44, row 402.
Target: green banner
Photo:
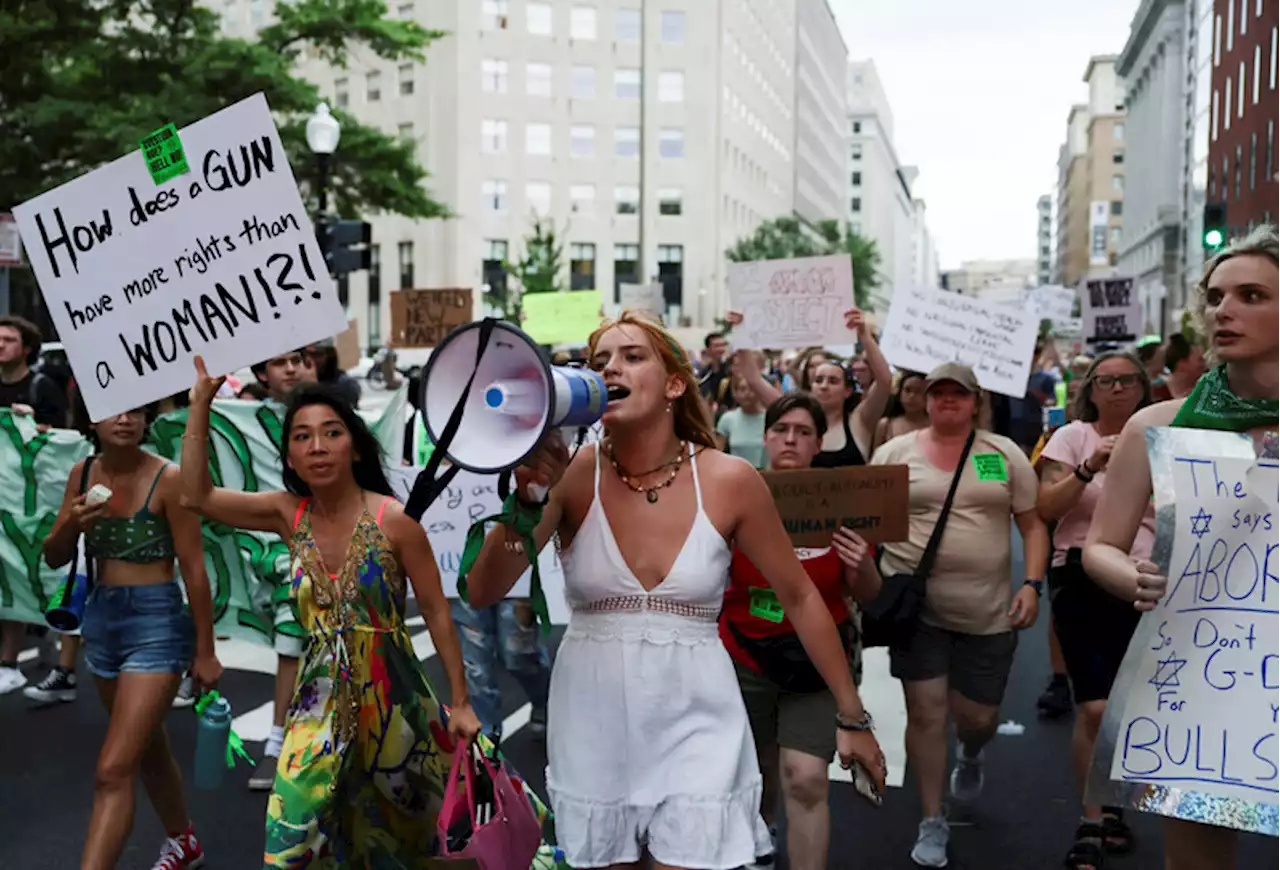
column 246, row 569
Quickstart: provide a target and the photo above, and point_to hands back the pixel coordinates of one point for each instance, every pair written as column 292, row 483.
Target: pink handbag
column 509, row 839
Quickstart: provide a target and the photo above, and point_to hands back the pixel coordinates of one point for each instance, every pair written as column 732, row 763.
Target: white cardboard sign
column 220, row 261
column 468, row 498
column 791, row 303
column 927, row 328
column 643, row 297
column 1052, row 302
column 1202, row 713
column 1111, row 311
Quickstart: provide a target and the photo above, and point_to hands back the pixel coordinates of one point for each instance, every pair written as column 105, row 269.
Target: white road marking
column 28, row 655
column 516, row 721
column 882, row 696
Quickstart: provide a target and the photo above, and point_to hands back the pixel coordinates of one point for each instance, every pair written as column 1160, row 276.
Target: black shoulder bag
column 893, row 614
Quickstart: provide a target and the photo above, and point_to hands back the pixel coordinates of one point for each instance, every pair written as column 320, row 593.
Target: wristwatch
column 864, row 723
column 1036, row 584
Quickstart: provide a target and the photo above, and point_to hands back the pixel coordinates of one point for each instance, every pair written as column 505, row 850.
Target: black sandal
column 1087, row 851
column 1117, row 838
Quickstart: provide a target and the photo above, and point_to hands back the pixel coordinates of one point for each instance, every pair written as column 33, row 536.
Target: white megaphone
column 513, row 398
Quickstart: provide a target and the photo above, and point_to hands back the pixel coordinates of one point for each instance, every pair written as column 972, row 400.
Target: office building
column 1004, row 281
column 1044, row 240
column 820, row 106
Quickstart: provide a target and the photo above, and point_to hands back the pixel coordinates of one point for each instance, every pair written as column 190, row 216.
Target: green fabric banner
column 246, row 569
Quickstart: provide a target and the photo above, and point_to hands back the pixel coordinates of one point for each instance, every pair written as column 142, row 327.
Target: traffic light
column 345, row 245
column 1215, row 225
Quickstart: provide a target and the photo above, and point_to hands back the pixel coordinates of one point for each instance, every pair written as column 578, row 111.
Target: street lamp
column 323, row 132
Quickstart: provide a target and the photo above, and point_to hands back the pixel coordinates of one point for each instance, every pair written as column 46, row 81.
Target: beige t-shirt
column 969, row 589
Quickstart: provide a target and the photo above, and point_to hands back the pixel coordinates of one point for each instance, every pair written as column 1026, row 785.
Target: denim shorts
column 137, row 629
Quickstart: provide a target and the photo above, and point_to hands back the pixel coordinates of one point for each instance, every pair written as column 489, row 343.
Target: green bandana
column 1212, row 405
column 523, row 520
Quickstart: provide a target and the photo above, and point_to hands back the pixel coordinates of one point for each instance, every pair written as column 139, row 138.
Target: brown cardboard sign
column 347, row 346
column 422, row 318
column 814, row 502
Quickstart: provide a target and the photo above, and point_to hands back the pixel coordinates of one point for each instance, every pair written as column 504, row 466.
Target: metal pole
column 322, row 193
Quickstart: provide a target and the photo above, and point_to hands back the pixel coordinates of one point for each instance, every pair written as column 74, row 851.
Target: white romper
column 648, row 740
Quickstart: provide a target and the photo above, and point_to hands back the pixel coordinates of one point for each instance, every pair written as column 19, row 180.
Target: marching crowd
column 709, row 672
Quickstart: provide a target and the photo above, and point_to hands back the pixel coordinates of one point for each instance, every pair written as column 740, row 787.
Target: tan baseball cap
column 953, row 371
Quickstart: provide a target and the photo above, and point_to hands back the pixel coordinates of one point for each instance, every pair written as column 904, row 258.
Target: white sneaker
column 967, row 777
column 11, row 679
column 931, row 843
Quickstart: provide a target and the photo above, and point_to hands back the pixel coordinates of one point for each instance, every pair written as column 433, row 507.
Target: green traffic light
column 1213, row 238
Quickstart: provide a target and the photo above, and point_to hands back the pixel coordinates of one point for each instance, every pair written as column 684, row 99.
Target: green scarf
column 1212, row 405
column 523, row 520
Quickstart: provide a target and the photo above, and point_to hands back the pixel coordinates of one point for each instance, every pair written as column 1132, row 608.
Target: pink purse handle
column 451, row 790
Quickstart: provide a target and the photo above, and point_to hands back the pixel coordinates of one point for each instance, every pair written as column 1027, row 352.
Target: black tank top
column 846, row 456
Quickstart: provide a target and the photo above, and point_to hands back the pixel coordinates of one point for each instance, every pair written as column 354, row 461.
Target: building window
column 1271, row 150
column 537, row 79
column 582, row 266
column 1273, row 58
column 855, row 152
column 857, row 127
column 537, row 18
column 855, row 228
column 628, row 25
column 1226, row 177
column 1240, row 92
column 537, row 139
column 671, row 273
column 582, row 140
column 1257, row 72
column 405, row 10
column 582, row 22
column 1239, row 169
column 344, row 291
column 626, row 142
column 855, row 204
column 1117, row 132
column 670, row 201
column 493, row 195
column 494, row 267
column 1117, row 158
column 406, row 79
column 493, row 76
column 405, row 131
column 626, row 267
column 1213, row 118
column 1217, row 39
column 1231, row 27
column 373, row 87
column 493, row 14
column 537, row 195
column 1253, row 162
column 671, row 87
column 626, row 84
column 1117, row 184
column 375, row 294
column 1117, row 207
column 493, row 136
column 1226, row 106
column 855, row 178
column 1115, row 238
column 671, row 143
column 340, row 95
column 584, row 83
column 582, row 199
column 404, row 252
column 626, row 199
column 1244, row 17
column 672, row 28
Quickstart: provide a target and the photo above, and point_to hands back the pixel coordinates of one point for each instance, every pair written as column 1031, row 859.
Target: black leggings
column 1094, row 628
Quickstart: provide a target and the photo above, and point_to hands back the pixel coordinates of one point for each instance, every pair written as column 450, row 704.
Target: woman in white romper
column 649, row 749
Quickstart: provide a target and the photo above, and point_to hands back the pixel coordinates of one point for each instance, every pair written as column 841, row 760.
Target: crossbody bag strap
column 935, row 540
column 75, row 554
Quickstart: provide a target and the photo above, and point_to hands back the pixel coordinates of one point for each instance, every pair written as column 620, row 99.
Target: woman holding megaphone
column 649, row 747
column 138, row 635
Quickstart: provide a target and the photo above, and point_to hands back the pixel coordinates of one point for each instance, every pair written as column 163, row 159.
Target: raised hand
column 205, row 387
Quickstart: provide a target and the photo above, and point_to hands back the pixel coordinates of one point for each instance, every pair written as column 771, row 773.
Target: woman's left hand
column 850, row 547
column 1026, row 606
column 464, row 725
column 855, row 321
column 206, row 671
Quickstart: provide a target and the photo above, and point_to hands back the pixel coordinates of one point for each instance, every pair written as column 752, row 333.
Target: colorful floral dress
column 367, row 750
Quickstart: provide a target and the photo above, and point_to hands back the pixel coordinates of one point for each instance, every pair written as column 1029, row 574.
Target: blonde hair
column 690, row 415
column 1261, row 242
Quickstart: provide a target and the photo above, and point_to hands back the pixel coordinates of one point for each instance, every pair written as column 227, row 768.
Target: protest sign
column 468, row 498
column 561, row 318
column 791, row 303
column 422, row 318
column 10, row 247
column 222, row 260
column 643, row 297
column 1111, row 311
column 346, row 345
column 1051, row 302
column 1198, row 710
column 926, row 328
column 814, row 502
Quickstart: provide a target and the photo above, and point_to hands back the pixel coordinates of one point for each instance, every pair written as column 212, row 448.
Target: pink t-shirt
column 1071, row 445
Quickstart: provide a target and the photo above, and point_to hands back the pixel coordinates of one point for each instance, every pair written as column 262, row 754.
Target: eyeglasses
column 1110, row 382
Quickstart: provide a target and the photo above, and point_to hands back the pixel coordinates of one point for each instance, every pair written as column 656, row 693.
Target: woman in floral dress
column 368, row 746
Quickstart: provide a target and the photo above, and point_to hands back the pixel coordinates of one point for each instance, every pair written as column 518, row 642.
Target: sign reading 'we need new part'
column 141, row 271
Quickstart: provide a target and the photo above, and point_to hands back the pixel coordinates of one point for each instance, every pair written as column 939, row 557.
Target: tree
column 783, row 238
column 540, row 270
column 84, row 80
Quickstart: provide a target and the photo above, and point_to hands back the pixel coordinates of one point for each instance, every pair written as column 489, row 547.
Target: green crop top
column 143, row 537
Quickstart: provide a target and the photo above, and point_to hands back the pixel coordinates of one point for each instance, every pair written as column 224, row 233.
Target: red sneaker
column 181, row 853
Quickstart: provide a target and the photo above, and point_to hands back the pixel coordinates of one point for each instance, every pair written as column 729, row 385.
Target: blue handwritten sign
column 1202, row 712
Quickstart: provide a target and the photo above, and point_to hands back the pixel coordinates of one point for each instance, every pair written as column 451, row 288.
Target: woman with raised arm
column 1237, row 302
column 139, row 636
column 367, row 745
column 649, row 748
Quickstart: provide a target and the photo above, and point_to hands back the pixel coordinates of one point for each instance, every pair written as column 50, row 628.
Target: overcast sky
column 980, row 91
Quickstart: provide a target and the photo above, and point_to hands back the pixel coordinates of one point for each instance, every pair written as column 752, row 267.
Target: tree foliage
column 783, row 238
column 539, row 270
column 81, row 81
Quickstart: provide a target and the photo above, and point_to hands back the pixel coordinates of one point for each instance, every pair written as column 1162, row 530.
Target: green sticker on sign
column 163, row 152
column 990, row 466
column 766, row 605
